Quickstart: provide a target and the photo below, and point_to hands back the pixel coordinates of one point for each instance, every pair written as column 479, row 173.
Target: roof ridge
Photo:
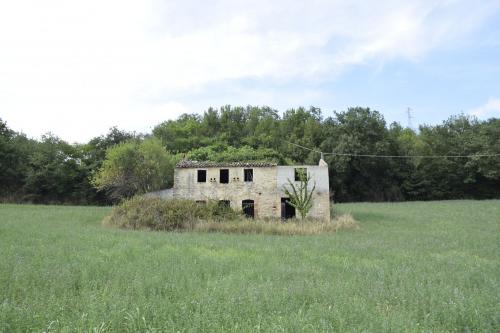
column 208, row 164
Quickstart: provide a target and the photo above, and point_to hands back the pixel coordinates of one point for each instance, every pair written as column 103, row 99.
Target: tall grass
column 278, row 227
column 411, row 267
column 186, row 215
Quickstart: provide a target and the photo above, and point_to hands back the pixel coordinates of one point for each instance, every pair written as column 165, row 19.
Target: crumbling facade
column 256, row 188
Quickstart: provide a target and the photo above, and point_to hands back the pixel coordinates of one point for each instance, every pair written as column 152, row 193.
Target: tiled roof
column 209, row 164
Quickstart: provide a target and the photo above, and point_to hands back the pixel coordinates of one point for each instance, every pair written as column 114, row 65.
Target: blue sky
column 77, row 68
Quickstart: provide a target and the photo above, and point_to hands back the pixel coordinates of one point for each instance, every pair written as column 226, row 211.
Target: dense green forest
column 51, row 170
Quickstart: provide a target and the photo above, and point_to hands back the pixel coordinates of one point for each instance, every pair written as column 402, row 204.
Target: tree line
column 120, row 163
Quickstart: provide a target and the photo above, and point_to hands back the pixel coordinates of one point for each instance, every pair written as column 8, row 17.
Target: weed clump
column 159, row 214
column 346, row 222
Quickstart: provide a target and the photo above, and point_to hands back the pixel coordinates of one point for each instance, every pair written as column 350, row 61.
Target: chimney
column 322, row 161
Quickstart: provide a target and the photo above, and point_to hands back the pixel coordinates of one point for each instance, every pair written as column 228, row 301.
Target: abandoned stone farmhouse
column 256, row 188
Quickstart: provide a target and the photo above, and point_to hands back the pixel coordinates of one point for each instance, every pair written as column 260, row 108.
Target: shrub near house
column 158, row 214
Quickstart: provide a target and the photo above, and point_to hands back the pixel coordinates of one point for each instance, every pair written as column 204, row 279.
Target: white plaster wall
column 318, row 174
column 321, row 195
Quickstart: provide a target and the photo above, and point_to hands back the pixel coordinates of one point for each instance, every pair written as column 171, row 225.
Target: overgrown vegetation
column 142, row 212
column 417, row 266
column 134, row 167
column 300, row 195
column 51, row 170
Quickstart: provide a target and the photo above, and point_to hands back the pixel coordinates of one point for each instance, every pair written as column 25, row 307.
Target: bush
column 159, row 214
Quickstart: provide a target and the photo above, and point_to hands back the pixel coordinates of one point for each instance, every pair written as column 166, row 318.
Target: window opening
column 299, row 173
column 202, row 176
column 224, row 176
column 248, row 175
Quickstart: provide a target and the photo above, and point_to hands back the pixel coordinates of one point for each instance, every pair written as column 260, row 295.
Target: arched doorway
column 248, row 208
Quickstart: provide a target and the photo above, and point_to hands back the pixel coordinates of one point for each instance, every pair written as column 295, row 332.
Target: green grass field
column 418, row 267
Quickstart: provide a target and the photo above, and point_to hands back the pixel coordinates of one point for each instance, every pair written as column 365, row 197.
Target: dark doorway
column 248, row 208
column 287, row 210
column 224, row 176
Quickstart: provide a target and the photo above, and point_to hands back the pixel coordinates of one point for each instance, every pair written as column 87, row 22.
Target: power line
column 392, row 156
column 294, row 144
column 413, row 156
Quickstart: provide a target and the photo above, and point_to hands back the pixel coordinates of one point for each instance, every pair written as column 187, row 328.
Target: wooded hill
column 51, row 170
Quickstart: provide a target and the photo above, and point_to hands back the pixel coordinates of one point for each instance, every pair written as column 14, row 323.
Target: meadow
column 413, row 267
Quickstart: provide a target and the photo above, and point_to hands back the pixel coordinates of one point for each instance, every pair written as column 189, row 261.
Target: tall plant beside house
column 300, row 195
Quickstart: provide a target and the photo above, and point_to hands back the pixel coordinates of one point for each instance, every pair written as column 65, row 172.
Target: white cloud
column 488, row 110
column 77, row 68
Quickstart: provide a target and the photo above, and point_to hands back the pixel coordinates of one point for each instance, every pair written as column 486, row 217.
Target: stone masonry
column 265, row 188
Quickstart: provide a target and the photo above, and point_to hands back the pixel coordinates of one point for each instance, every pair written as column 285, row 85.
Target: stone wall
column 266, row 189
column 262, row 189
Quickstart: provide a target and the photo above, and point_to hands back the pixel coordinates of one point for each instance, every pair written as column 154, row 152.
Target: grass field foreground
column 432, row 266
